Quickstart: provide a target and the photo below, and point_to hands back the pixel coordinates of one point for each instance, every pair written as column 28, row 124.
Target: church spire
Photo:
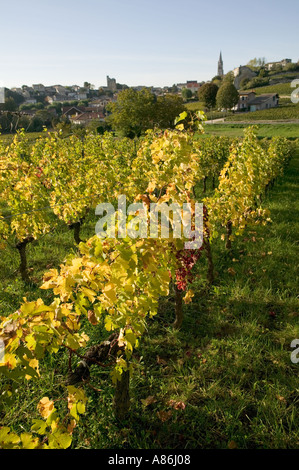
column 220, row 66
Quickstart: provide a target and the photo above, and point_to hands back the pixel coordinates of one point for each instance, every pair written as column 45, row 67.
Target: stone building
column 242, row 72
column 111, row 83
column 265, row 101
column 249, row 101
column 244, row 99
column 282, row 62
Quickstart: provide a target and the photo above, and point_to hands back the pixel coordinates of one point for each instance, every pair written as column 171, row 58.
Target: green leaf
column 181, row 117
column 8, row 440
column 39, row 426
column 59, row 440
column 28, row 441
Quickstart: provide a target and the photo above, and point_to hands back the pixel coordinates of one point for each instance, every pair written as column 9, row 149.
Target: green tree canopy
column 166, row 109
column 10, row 104
column 173, row 89
column 244, row 82
column 207, row 94
column 186, row 93
column 217, row 80
column 227, row 96
column 257, row 62
column 18, row 99
column 229, row 77
column 135, row 111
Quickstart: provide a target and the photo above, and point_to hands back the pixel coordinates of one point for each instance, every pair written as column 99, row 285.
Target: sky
column 139, row 42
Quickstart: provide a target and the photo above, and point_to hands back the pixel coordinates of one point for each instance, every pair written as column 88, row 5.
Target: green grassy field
column 228, row 369
column 195, row 106
column 285, row 111
column 263, row 130
column 283, row 89
column 199, row 106
column 32, row 136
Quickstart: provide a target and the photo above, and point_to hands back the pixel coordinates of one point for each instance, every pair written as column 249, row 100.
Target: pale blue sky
column 140, row 42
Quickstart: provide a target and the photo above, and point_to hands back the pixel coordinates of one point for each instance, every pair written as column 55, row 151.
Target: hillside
column 283, row 89
column 284, row 112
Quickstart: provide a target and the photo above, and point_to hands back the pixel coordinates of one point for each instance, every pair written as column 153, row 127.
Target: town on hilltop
column 39, row 105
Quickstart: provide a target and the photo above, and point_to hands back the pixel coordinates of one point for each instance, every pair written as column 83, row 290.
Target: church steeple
column 220, row 66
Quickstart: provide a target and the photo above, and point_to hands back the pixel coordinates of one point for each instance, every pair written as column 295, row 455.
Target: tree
column 18, row 99
column 227, row 96
column 36, row 124
column 244, row 82
column 45, row 116
column 136, row 111
column 291, row 67
column 133, row 112
column 255, row 63
column 217, row 80
column 277, row 68
column 57, row 106
column 207, row 94
column 82, row 103
column 263, row 73
column 7, row 122
column 166, row 109
column 10, row 104
column 229, row 77
column 256, row 82
column 186, row 93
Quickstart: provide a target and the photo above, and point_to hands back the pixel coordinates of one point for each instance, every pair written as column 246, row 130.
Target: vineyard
column 284, row 112
column 113, row 310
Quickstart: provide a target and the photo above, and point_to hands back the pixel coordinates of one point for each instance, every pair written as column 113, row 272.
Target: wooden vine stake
column 121, row 401
column 21, row 247
column 228, row 244
column 210, row 273
column 178, row 308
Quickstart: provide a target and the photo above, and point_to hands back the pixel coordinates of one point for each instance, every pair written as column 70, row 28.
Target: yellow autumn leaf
column 188, row 297
column 9, row 361
column 109, row 292
column 45, row 407
column 28, row 441
column 34, row 364
column 90, row 294
column 151, row 187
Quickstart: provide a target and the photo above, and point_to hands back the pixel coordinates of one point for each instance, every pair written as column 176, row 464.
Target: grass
column 283, row 89
column 229, row 364
column 290, row 130
column 195, row 106
column 32, row 136
column 199, row 106
column 284, row 111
